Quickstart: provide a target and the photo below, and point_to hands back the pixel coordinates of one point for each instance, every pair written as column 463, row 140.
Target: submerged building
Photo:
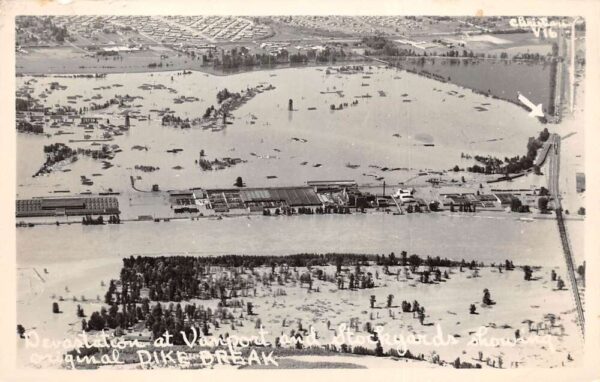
column 77, row 206
column 257, row 199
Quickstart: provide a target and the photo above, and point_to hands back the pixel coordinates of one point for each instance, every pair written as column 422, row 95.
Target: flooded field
column 503, row 79
column 395, row 114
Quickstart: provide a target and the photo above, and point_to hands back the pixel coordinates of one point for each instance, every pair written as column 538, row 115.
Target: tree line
column 517, row 164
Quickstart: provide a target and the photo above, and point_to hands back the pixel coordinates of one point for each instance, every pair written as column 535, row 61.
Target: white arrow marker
column 536, row 111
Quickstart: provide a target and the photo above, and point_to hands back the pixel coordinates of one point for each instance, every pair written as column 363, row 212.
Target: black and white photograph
column 243, row 190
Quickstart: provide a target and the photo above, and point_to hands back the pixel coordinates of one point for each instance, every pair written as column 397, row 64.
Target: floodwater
column 385, row 131
column 504, row 79
column 438, row 113
column 480, row 238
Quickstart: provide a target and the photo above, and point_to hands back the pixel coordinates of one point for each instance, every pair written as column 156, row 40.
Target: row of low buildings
column 257, row 199
column 183, row 29
column 105, row 29
column 346, row 193
column 58, row 118
column 354, row 25
column 315, row 194
column 68, row 206
column 497, row 199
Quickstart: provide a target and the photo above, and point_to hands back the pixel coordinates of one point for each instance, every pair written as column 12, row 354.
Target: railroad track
column 571, row 269
column 554, row 165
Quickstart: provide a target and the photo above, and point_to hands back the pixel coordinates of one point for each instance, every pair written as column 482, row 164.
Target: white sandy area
column 34, row 299
column 447, row 305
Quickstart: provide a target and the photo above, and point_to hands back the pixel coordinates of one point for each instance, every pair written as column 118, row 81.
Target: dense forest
column 177, row 278
column 172, row 281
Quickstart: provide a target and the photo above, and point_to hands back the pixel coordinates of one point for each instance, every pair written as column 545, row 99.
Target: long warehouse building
column 78, row 206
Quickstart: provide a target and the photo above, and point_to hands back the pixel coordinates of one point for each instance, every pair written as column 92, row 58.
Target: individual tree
column 581, row 271
column 392, row 259
column 486, row 297
column 55, row 308
column 96, row 322
column 472, row 309
column 108, row 296
column 338, row 265
column 390, row 299
column 299, row 340
column 372, row 301
column 415, row 306
column 515, row 204
column 239, row 182
column 543, row 204
column 456, row 363
column 414, row 261
column 421, row 315
column 378, row 349
column 528, row 272
column 21, row 331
